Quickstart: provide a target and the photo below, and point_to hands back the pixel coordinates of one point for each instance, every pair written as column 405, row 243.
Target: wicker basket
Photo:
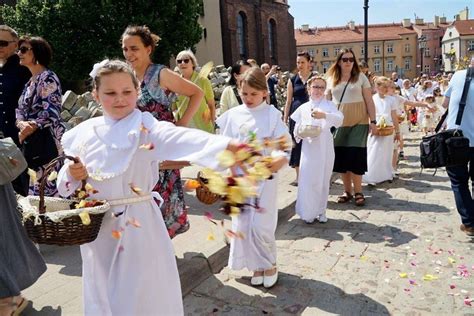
column 386, row 131
column 203, row 193
column 68, row 231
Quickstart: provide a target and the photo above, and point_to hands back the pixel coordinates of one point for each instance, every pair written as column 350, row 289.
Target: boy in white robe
column 257, row 250
column 380, row 148
column 317, row 153
column 130, row 269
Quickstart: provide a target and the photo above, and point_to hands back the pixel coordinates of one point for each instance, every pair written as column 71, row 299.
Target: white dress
column 317, row 159
column 257, row 251
column 380, row 148
column 137, row 273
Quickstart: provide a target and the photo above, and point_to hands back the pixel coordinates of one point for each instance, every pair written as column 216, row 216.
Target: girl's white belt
column 136, row 199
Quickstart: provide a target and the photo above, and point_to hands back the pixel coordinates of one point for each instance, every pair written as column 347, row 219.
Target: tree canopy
column 83, row 32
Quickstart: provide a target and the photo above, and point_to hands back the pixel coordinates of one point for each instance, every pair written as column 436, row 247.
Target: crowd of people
column 347, row 121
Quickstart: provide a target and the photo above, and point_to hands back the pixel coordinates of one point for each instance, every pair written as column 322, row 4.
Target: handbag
column 305, row 131
column 40, row 148
column 12, row 162
column 450, row 147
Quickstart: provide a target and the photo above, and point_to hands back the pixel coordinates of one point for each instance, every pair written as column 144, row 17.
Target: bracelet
column 373, row 122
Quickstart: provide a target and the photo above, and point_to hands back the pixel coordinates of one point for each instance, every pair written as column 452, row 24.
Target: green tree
column 83, row 32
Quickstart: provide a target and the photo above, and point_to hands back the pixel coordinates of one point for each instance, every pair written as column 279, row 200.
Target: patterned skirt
column 174, row 210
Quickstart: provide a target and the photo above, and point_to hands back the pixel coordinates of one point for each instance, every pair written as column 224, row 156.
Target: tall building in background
column 392, row 47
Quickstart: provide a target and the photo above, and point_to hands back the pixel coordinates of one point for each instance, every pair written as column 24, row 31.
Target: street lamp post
column 366, row 31
column 422, row 45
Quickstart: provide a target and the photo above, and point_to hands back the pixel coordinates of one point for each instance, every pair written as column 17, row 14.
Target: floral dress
column 41, row 102
column 154, row 99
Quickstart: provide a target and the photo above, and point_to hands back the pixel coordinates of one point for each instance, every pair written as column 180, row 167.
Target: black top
column 13, row 78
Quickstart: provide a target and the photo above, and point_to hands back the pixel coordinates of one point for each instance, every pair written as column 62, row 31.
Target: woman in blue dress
column 297, row 94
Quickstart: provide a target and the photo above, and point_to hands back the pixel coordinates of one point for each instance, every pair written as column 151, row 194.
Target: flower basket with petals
column 56, row 221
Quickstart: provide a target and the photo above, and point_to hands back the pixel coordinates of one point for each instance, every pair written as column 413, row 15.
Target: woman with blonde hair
column 351, row 91
column 206, row 114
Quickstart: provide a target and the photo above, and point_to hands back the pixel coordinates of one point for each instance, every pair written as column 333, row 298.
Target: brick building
column 259, row 29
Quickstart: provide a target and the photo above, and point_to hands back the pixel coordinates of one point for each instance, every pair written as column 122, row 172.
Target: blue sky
column 338, row 12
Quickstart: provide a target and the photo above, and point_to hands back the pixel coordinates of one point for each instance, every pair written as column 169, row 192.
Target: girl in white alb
column 317, row 153
column 380, row 148
column 130, row 270
column 257, row 250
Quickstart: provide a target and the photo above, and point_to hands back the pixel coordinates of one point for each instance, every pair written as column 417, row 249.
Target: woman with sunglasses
column 40, row 106
column 350, row 90
column 158, row 89
column 206, row 114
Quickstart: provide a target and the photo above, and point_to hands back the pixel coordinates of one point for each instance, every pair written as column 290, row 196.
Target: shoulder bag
column 40, row 148
column 449, row 147
column 12, row 162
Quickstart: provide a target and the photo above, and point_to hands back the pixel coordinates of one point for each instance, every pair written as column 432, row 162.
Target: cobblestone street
column 401, row 254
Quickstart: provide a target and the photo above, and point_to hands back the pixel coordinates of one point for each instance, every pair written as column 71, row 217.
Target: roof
column 464, row 27
column 342, row 34
column 431, row 26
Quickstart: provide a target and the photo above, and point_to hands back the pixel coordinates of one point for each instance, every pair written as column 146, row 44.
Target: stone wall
column 78, row 108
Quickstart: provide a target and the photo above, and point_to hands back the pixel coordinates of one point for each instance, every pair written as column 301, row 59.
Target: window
column 272, row 47
column 336, row 51
column 325, row 52
column 311, row 52
column 377, row 65
column 389, row 48
column 427, row 69
column 407, row 63
column 326, row 66
column 376, row 49
column 390, row 65
column 362, row 50
column 470, row 45
column 242, row 34
column 451, row 46
column 426, row 52
column 407, row 48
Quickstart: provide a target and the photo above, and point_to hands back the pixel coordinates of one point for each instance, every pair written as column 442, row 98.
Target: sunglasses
column 5, row 43
column 24, row 49
column 347, row 60
column 318, row 87
column 179, row 61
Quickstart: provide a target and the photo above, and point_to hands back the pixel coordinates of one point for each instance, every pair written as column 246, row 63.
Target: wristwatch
column 373, row 122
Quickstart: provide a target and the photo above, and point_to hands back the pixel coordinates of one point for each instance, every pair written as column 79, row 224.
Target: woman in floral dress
column 39, row 106
column 158, row 87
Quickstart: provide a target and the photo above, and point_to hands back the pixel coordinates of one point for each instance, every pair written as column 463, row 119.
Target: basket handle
column 49, row 168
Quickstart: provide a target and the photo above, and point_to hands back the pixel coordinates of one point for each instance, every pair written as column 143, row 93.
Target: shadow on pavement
column 359, row 231
column 45, row 311
column 291, row 295
column 67, row 256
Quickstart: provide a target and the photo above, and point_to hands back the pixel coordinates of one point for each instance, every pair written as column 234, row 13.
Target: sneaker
column 467, row 229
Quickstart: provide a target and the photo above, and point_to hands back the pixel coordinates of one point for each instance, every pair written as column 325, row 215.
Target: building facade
column 392, row 47
column 429, row 55
column 258, row 29
column 458, row 44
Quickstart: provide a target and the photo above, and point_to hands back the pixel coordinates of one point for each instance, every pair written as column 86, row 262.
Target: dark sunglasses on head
column 347, row 60
column 5, row 43
column 179, row 61
column 24, row 49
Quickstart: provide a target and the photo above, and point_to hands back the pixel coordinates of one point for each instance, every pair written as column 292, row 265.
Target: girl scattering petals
column 127, row 177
